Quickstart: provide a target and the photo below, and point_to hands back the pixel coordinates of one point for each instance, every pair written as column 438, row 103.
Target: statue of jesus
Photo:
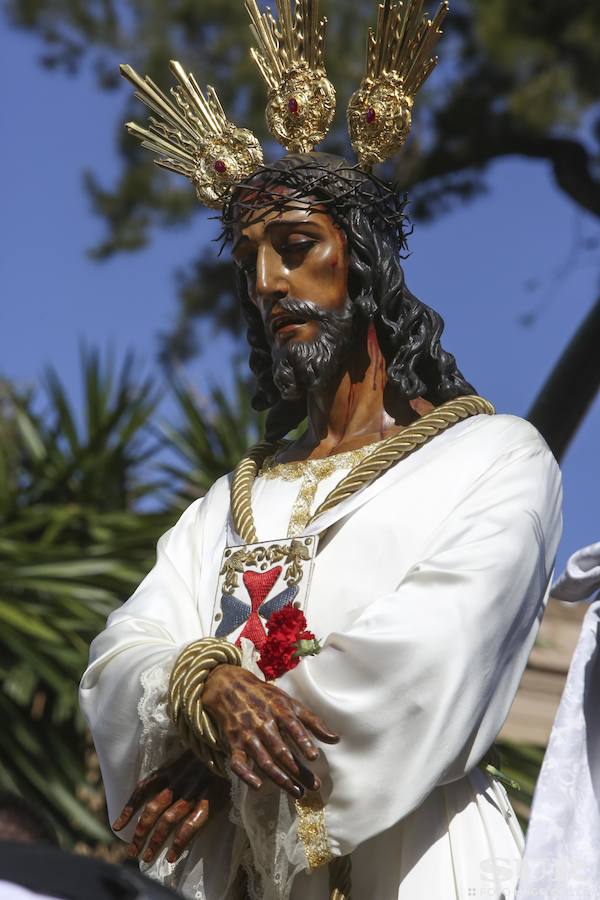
column 298, row 698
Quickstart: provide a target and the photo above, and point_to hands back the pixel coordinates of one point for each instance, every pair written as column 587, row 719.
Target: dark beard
column 302, row 366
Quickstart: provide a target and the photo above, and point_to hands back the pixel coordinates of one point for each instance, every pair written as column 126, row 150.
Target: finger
column 296, row 729
column 279, row 750
column 307, row 778
column 315, row 724
column 238, row 763
column 150, row 814
column 164, row 826
column 258, row 752
column 188, row 830
column 125, row 816
column 143, row 790
column 303, row 774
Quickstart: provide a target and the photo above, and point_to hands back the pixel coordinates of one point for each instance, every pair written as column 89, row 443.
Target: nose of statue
column 271, row 284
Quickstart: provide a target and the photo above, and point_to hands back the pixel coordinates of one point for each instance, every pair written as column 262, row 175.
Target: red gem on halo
column 220, row 167
column 371, row 115
column 293, row 106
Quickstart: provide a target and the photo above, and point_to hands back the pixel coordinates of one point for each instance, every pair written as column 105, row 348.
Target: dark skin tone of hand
column 175, row 800
column 254, row 718
column 264, row 729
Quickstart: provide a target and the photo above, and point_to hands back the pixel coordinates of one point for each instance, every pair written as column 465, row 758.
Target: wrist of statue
column 189, row 677
column 217, row 680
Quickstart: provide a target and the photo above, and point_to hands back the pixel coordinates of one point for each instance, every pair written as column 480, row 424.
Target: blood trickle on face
column 298, row 254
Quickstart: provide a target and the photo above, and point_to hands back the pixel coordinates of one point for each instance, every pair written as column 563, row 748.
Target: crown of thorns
column 192, row 135
column 312, row 184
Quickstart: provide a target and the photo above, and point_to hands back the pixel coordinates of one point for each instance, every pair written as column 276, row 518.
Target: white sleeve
column 420, row 686
column 123, row 691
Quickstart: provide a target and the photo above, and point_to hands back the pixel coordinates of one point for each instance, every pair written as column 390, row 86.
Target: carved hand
column 176, row 799
column 261, row 724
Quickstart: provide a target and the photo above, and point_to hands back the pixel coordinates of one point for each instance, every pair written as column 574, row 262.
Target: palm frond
column 73, row 546
column 210, row 438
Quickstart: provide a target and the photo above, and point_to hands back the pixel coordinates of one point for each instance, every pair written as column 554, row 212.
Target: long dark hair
column 372, row 216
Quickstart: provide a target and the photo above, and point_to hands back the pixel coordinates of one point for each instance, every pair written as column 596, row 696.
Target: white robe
column 428, row 591
column 562, row 855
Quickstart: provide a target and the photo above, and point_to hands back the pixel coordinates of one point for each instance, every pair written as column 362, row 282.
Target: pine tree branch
column 571, row 387
column 571, row 161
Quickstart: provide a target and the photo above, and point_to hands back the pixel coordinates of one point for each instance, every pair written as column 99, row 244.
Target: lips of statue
column 291, row 318
column 283, row 326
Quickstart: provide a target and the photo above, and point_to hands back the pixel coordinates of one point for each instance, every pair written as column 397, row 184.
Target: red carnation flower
column 281, row 652
column 288, row 622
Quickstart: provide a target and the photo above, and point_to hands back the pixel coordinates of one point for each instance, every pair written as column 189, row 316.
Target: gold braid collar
column 385, row 454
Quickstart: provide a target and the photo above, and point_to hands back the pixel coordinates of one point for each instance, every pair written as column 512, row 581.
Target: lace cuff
column 274, row 854
column 159, row 742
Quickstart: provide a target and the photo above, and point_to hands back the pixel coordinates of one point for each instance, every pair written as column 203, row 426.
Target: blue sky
column 475, row 265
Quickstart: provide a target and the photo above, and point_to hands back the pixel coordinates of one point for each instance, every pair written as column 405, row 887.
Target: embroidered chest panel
column 256, row 580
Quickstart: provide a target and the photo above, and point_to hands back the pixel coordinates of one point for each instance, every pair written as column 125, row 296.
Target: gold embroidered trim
column 318, row 468
column 311, row 471
column 303, row 504
column 312, row 830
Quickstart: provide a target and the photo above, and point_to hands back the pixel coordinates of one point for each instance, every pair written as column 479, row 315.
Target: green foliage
column 521, row 763
column 71, row 549
column 515, row 79
column 544, row 44
column 210, row 439
column 74, row 543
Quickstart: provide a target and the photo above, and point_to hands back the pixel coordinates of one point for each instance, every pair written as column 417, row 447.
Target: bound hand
column 261, row 724
column 177, row 800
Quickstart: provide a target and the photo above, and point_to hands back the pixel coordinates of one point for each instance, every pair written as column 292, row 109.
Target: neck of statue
column 357, row 409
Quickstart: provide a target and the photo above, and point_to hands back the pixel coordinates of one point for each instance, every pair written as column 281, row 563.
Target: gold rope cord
column 385, row 454
column 195, row 727
column 402, row 444
column 241, row 490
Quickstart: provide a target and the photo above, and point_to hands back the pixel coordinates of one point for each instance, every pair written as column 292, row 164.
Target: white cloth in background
column 581, row 578
column 562, row 856
column 10, row 891
column 427, row 592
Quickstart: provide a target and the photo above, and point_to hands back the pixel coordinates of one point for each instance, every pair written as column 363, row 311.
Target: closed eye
column 295, row 251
